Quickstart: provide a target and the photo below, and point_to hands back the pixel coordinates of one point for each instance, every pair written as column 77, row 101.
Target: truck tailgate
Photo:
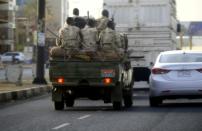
column 75, row 72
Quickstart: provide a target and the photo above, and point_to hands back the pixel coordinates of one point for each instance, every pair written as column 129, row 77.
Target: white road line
column 83, row 117
column 61, row 126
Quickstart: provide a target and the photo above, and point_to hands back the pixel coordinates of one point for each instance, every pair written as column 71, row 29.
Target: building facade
column 57, row 12
column 7, row 25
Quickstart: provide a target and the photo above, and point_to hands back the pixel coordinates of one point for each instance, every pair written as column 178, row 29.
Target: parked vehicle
column 11, row 56
column 176, row 74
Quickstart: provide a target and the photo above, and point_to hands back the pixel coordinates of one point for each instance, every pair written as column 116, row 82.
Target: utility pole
column 40, row 44
column 190, row 42
column 181, row 40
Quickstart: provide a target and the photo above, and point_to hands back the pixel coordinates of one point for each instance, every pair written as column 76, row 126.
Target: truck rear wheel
column 117, row 105
column 59, row 105
column 69, row 102
column 128, row 98
column 128, row 102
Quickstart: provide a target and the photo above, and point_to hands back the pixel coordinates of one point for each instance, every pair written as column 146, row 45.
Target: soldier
column 108, row 41
column 121, row 42
column 78, row 21
column 69, row 39
column 90, row 36
column 102, row 22
column 108, row 37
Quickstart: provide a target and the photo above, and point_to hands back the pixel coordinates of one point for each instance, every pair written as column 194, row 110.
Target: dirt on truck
column 107, row 80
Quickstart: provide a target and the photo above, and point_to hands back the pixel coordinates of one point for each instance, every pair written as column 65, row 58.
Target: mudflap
column 117, row 95
column 57, row 95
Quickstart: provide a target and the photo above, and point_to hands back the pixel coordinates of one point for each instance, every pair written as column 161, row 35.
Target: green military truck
column 108, row 80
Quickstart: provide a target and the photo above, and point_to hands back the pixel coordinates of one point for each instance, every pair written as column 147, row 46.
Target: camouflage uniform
column 102, row 23
column 120, row 43
column 108, row 43
column 69, row 38
column 68, row 41
column 90, row 38
column 108, row 39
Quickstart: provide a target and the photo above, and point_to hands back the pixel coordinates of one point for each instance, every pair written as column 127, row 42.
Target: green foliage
column 19, row 47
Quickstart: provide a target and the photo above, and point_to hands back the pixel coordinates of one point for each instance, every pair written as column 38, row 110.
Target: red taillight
column 199, row 70
column 159, row 71
column 107, row 81
column 60, row 80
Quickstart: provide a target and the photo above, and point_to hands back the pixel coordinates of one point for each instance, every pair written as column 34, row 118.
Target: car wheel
column 154, row 102
column 17, row 61
column 128, row 102
column 59, row 105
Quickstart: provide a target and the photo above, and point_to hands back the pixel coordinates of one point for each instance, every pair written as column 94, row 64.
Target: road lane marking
column 83, row 117
column 61, row 126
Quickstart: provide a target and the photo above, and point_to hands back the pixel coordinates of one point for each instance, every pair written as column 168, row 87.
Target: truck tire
column 117, row 105
column 59, row 105
column 128, row 97
column 154, row 102
column 128, row 101
column 69, row 103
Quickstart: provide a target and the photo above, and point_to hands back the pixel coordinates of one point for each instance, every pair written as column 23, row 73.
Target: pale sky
column 93, row 6
column 187, row 10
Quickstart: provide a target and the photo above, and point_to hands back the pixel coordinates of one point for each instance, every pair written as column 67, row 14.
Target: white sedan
column 176, row 74
column 10, row 56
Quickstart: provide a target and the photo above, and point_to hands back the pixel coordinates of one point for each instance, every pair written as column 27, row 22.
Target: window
column 181, row 58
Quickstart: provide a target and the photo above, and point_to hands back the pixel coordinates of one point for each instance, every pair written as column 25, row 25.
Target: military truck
column 108, row 80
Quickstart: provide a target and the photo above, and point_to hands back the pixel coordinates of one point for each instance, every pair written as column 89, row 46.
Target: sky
column 187, row 10
column 93, row 6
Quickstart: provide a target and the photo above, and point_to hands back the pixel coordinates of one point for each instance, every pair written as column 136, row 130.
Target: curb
column 24, row 93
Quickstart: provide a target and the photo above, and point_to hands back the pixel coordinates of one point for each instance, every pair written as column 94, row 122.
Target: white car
column 176, row 74
column 10, row 56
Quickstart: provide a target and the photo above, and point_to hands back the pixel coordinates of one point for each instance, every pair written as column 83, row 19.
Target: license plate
column 184, row 73
column 107, row 73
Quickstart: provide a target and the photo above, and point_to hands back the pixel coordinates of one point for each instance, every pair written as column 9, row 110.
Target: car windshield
column 11, row 54
column 181, row 58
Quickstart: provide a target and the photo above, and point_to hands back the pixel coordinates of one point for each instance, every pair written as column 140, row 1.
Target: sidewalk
column 10, row 91
column 24, row 65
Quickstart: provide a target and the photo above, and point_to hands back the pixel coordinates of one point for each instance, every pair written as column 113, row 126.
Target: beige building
column 7, row 24
column 57, row 12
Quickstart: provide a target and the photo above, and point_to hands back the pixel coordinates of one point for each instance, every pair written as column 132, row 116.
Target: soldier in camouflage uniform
column 108, row 41
column 68, row 41
column 90, row 36
column 102, row 22
column 121, row 43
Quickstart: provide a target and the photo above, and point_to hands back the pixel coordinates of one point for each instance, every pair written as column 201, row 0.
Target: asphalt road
column 38, row 114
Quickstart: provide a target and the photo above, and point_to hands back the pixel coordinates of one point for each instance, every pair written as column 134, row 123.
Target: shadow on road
column 173, row 107
column 90, row 108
